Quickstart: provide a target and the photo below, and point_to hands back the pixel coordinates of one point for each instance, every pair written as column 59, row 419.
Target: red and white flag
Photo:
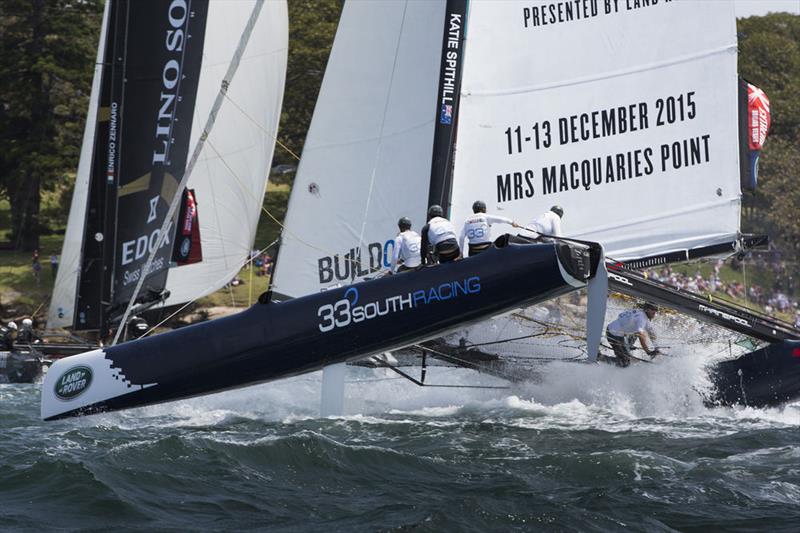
column 758, row 116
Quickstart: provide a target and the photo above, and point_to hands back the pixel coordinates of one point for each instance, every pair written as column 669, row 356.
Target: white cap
column 27, row 323
column 12, row 325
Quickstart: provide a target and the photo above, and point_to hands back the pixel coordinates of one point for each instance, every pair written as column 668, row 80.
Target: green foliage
column 46, row 58
column 769, row 57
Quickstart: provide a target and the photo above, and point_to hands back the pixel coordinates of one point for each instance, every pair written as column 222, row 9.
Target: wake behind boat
column 275, row 340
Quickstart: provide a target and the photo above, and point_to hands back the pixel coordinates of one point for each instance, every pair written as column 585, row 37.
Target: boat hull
column 277, row 340
column 766, row 377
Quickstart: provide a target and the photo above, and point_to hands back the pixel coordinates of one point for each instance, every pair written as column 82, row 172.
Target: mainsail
column 625, row 114
column 130, row 169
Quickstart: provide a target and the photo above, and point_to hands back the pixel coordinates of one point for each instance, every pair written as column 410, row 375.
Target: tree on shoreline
column 769, row 57
column 46, row 54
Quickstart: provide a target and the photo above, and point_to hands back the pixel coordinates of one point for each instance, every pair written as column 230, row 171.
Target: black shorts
column 447, row 251
column 475, row 249
column 620, row 347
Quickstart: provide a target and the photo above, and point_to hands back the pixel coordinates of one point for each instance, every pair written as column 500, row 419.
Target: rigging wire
column 270, row 134
column 211, row 286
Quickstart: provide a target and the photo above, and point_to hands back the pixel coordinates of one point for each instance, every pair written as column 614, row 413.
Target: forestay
column 624, row 114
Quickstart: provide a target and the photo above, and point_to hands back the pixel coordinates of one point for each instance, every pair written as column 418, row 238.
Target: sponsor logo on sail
column 450, row 66
column 73, row 382
column 178, row 17
column 355, row 263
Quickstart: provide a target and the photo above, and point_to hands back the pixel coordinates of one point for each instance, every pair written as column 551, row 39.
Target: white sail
column 62, row 304
column 625, row 117
column 231, row 175
column 367, row 157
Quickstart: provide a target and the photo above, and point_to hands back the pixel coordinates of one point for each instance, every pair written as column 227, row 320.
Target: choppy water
column 595, row 449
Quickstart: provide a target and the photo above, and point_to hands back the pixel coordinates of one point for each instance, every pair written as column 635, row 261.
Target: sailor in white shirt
column 630, row 325
column 406, row 248
column 548, row 223
column 439, row 234
column 478, row 229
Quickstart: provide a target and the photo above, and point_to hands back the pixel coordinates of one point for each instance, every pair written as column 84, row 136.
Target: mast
column 94, row 278
column 447, row 105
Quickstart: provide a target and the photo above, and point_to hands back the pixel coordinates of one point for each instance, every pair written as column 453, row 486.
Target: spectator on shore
column 774, row 300
column 37, row 270
column 267, row 265
column 54, row 265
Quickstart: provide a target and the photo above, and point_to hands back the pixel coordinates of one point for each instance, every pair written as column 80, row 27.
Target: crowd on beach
column 779, row 299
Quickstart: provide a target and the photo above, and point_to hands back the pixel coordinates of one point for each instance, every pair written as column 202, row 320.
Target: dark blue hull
column 277, row 340
column 766, row 377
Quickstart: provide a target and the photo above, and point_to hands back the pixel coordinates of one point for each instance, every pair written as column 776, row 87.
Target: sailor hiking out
column 477, row 229
column 631, row 325
column 547, row 224
column 439, row 235
column 406, row 254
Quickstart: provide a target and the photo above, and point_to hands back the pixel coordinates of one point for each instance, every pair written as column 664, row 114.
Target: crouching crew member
column 439, row 234
column 8, row 335
column 26, row 333
column 478, row 228
column 630, row 325
column 547, row 224
column 406, row 248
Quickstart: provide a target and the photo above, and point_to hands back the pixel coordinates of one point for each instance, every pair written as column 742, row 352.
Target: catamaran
column 625, row 115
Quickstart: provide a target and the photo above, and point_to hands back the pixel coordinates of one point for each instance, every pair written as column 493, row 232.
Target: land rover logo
column 73, row 382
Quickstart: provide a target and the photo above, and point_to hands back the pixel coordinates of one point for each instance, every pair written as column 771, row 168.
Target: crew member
column 406, row 254
column 26, row 333
column 7, row 336
column 438, row 234
column 548, row 224
column 630, row 325
column 478, row 228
